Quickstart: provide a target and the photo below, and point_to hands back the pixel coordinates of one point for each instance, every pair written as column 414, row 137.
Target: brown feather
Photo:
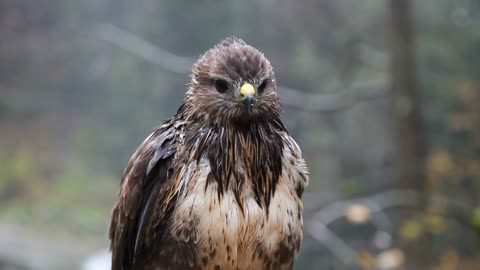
column 214, row 187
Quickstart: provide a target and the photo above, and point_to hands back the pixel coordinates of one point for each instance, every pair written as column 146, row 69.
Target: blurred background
column 382, row 96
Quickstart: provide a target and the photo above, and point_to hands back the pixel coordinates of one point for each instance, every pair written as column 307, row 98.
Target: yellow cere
column 247, row 89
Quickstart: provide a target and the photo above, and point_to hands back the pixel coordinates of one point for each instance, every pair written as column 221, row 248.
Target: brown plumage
column 219, row 185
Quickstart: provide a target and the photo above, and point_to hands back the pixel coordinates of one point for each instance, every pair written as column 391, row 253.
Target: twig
column 335, row 244
column 318, row 227
column 302, row 100
column 332, row 103
column 144, row 49
column 375, row 203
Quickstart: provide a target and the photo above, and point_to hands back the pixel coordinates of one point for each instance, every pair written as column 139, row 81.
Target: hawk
column 218, row 185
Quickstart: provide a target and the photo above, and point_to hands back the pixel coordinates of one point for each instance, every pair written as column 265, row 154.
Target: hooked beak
column 247, row 93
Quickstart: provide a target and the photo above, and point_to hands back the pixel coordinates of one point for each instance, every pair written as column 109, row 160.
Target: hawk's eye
column 262, row 86
column 221, row 86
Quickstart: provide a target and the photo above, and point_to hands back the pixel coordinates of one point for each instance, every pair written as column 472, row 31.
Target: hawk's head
column 233, row 83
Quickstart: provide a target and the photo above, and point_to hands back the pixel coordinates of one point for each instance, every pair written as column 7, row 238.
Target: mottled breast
column 232, row 231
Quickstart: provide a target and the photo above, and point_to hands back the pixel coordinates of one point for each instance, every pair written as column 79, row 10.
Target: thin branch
column 318, row 227
column 375, row 203
column 332, row 103
column 144, row 49
column 335, row 244
column 294, row 98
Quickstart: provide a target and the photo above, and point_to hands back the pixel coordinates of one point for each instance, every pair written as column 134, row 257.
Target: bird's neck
column 242, row 155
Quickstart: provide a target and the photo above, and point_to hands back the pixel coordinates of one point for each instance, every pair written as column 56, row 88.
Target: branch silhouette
column 294, row 98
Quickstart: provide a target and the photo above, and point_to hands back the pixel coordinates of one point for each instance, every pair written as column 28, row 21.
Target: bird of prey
column 218, row 185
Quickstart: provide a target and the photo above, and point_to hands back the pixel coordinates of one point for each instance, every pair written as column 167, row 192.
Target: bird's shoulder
column 145, row 194
column 295, row 167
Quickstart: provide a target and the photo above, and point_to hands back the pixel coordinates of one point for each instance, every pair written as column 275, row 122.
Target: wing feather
column 143, row 182
column 145, row 218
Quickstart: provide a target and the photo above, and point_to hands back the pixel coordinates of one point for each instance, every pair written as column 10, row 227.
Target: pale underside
column 229, row 237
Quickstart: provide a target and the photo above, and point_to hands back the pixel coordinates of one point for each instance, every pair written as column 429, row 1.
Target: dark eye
column 221, row 86
column 262, row 86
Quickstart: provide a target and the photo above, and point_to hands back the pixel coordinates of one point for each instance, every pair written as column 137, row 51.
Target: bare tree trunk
column 410, row 146
column 409, row 135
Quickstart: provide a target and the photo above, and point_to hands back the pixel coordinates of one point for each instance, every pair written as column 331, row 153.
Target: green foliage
column 74, row 199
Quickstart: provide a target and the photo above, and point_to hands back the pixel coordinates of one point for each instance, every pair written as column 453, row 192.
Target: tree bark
column 409, row 135
column 407, row 122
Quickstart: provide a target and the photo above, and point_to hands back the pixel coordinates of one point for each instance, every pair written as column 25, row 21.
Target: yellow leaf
column 357, row 213
column 410, row 229
column 390, row 259
column 434, row 223
column 467, row 92
column 366, row 260
column 440, row 163
column 476, row 216
column 449, row 260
